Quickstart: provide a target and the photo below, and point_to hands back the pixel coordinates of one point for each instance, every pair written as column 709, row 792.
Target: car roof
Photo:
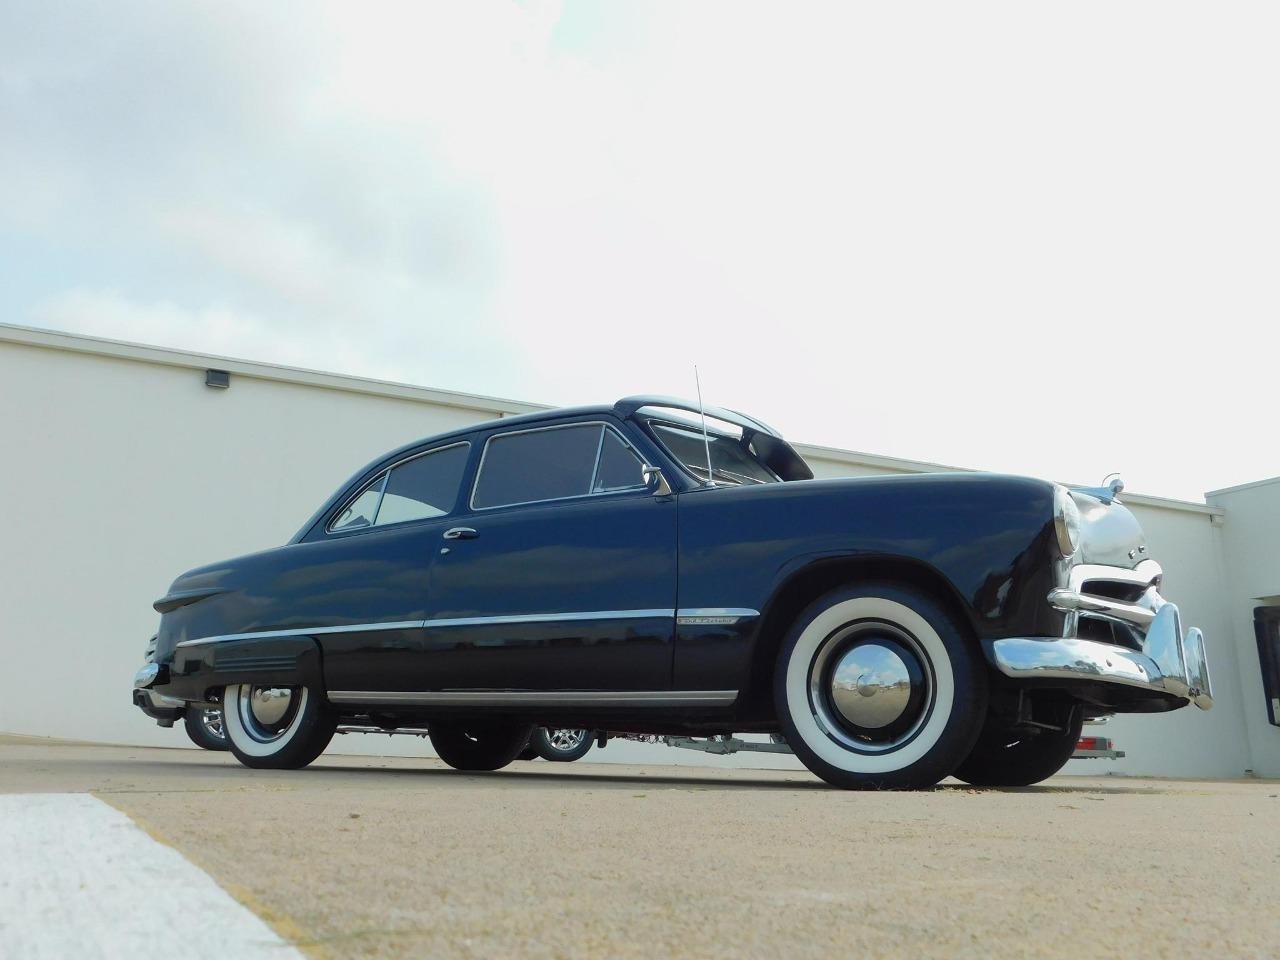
column 524, row 419
column 623, row 409
column 772, row 445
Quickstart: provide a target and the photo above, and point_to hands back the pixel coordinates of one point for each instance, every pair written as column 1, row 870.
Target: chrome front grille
column 1110, row 604
column 1114, row 589
column 1090, row 627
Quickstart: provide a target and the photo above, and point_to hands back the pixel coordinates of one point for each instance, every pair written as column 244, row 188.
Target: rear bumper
column 1171, row 663
column 164, row 710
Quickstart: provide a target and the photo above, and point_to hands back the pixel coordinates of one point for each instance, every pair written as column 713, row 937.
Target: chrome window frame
column 385, row 474
column 603, row 424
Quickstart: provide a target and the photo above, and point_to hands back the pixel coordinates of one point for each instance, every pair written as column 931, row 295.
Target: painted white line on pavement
column 80, row 879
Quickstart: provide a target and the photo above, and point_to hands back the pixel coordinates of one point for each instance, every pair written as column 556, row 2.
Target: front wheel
column 878, row 687
column 478, row 745
column 1003, row 757
column 276, row 728
column 561, row 745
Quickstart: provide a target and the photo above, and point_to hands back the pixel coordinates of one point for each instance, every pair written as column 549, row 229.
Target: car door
column 366, row 578
column 562, row 577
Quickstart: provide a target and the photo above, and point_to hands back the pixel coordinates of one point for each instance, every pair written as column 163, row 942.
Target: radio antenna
column 706, row 442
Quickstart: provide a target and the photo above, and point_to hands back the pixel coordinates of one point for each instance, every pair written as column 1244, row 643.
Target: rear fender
column 271, row 661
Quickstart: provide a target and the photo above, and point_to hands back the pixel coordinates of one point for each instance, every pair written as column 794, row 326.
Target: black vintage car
column 618, row 568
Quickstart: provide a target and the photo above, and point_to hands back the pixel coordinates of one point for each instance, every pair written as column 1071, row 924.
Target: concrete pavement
column 360, row 857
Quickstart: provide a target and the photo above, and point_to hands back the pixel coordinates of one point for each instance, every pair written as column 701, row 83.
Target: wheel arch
column 802, row 586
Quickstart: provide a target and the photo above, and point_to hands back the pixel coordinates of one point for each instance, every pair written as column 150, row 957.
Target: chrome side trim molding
column 537, row 698
column 713, row 616
column 551, row 617
column 305, row 632
column 444, row 622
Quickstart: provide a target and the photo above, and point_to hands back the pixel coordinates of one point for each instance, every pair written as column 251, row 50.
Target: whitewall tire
column 876, row 686
column 276, row 727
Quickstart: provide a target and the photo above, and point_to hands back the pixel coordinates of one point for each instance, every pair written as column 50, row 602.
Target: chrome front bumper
column 1170, row 660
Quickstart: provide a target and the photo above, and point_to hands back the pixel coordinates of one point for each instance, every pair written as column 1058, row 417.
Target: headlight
column 1066, row 522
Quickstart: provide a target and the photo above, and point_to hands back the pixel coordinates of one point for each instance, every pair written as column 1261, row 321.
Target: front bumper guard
column 1170, row 662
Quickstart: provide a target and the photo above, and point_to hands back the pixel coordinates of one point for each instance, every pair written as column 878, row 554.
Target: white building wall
column 117, row 476
column 119, row 469
column 1188, row 742
column 1251, row 556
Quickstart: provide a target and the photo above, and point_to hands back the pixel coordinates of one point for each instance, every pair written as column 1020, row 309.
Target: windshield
column 730, row 462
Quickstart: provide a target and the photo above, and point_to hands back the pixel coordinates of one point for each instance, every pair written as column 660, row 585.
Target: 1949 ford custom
column 619, row 568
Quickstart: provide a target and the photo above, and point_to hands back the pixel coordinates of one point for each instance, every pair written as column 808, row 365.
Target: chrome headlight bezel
column 1066, row 522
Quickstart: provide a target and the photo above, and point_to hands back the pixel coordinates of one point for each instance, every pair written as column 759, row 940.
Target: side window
column 618, row 468
column 537, row 465
column 360, row 511
column 425, row 486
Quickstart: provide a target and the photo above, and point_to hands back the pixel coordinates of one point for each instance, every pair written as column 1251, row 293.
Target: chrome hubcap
column 266, row 713
column 270, row 704
column 871, row 687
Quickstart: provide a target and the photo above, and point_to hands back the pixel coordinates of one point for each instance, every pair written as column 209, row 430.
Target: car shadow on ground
column 573, row 777
column 117, row 770
column 557, row 776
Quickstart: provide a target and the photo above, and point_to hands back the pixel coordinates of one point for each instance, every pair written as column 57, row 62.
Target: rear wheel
column 205, row 728
column 1004, row 757
column 561, row 745
column 479, row 745
column 877, row 687
column 278, row 728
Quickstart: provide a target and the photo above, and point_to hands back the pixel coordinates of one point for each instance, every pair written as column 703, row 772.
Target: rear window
column 416, row 489
column 423, row 487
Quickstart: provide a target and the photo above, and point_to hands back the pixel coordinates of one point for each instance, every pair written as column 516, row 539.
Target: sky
column 1033, row 238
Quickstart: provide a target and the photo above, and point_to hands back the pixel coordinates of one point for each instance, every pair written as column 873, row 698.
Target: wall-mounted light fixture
column 221, row 379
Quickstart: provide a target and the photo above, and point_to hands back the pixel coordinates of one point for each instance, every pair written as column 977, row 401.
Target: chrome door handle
column 461, row 533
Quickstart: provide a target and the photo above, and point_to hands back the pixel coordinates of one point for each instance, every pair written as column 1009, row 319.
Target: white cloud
column 210, row 329
column 1024, row 238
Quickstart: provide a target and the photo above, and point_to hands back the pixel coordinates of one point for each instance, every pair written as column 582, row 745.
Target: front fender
column 990, row 538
